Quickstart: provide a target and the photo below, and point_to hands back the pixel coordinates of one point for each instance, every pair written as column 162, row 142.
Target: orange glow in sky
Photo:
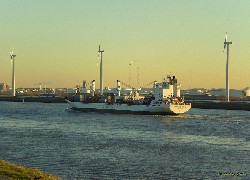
column 57, row 41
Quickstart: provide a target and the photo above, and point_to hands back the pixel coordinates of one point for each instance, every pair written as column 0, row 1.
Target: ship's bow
column 180, row 108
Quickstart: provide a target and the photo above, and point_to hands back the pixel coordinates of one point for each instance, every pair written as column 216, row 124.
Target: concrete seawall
column 222, row 105
column 33, row 99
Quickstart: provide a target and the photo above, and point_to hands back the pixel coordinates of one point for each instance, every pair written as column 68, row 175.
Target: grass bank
column 11, row 171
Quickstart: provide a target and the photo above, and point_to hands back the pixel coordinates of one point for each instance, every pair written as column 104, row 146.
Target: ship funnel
column 154, row 87
column 93, row 88
column 176, row 92
column 84, row 84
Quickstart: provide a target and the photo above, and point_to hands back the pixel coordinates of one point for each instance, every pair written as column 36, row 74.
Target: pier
column 42, row 99
column 221, row 105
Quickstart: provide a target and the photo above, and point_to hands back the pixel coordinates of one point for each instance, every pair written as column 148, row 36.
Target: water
column 202, row 144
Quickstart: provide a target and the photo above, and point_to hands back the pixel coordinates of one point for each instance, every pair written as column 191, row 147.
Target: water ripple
column 197, row 145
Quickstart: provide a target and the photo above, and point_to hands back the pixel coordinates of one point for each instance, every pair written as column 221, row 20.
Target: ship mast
column 101, row 76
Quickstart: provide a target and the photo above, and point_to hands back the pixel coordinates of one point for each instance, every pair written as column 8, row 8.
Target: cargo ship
column 164, row 100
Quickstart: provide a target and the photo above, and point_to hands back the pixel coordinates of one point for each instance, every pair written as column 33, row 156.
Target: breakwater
column 222, row 105
column 43, row 99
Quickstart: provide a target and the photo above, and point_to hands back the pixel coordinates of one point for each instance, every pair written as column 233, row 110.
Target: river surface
column 202, row 144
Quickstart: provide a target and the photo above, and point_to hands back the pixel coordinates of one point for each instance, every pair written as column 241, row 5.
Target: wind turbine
column 101, row 76
column 12, row 56
column 226, row 45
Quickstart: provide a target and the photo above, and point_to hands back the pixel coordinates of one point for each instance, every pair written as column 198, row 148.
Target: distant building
column 3, row 87
column 212, row 92
column 246, row 92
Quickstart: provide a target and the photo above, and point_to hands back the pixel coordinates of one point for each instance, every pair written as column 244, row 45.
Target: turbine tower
column 101, row 76
column 226, row 44
column 12, row 56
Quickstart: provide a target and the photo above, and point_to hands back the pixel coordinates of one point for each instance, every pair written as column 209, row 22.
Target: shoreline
column 42, row 99
column 233, row 105
column 11, row 171
column 221, row 105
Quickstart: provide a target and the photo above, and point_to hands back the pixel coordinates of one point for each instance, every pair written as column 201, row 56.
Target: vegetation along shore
column 10, row 171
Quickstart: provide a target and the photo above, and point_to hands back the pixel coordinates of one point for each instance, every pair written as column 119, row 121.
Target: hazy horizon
column 57, row 41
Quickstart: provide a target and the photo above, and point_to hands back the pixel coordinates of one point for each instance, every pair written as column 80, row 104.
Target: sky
column 56, row 42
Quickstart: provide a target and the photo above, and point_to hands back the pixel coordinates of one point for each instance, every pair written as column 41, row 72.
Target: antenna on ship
column 12, row 56
column 138, row 77
column 226, row 44
column 129, row 75
column 101, row 76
